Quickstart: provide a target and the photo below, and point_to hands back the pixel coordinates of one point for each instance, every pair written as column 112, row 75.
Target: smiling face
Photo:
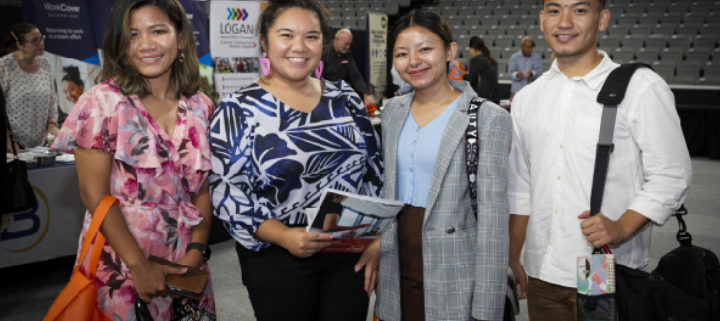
column 72, row 91
column 32, row 43
column 154, row 43
column 421, row 57
column 294, row 44
column 570, row 27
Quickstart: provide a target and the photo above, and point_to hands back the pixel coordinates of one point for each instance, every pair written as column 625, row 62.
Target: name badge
column 344, row 61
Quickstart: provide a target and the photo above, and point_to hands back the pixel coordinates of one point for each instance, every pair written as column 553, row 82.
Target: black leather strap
column 611, row 95
column 203, row 248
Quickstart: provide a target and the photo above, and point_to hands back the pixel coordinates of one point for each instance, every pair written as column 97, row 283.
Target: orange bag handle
column 93, row 230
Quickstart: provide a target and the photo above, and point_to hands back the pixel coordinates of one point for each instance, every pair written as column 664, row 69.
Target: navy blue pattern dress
column 272, row 161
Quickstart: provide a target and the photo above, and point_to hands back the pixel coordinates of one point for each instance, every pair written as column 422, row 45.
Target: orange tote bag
column 78, row 301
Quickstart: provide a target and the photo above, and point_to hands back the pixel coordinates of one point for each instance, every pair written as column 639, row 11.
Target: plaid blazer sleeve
column 491, row 257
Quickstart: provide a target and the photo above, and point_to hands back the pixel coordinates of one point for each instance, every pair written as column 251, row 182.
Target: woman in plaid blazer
column 437, row 261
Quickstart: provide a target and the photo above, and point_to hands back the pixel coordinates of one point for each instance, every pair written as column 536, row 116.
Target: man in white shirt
column 557, row 123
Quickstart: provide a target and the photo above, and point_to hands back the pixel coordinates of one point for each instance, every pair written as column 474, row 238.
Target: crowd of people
column 145, row 135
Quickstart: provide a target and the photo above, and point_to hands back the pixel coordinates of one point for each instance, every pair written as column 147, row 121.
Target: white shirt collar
column 594, row 78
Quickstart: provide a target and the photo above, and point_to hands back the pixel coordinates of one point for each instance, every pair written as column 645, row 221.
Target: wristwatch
column 203, row 248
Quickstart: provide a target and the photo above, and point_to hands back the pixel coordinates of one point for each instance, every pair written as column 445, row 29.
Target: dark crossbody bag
column 512, row 308
column 19, row 196
column 640, row 296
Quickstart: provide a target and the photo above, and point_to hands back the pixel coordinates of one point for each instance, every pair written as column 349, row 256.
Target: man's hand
column 521, row 279
column 369, row 100
column 601, row 231
column 519, row 75
column 528, row 74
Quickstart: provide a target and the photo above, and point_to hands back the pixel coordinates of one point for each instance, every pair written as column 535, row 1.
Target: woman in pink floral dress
column 141, row 136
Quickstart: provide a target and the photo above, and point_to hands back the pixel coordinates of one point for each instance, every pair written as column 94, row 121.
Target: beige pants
column 550, row 302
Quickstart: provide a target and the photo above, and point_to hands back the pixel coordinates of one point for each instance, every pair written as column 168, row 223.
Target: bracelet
column 53, row 123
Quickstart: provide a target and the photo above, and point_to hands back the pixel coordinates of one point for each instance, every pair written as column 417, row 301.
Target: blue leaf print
column 271, row 147
column 284, row 177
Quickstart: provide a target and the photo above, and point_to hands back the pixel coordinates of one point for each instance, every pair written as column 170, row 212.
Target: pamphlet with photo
column 354, row 220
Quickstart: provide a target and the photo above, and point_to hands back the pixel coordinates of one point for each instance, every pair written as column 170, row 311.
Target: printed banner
column 72, row 78
column 196, row 13
column 376, row 66
column 67, row 25
column 234, row 44
column 101, row 10
column 232, row 28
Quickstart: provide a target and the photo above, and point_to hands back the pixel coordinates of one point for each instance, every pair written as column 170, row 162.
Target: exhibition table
column 52, row 229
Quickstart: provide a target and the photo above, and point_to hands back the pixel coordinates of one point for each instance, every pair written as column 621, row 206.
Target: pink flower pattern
column 148, row 175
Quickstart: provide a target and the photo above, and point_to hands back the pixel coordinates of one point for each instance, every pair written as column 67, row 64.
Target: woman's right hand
column 304, row 244
column 149, row 279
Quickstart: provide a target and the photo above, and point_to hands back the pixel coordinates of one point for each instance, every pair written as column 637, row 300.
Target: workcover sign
column 232, row 28
column 67, row 26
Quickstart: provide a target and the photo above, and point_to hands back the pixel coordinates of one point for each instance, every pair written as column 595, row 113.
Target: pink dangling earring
column 265, row 65
column 318, row 70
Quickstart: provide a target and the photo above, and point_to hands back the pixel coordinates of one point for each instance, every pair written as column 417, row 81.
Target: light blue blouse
column 417, row 152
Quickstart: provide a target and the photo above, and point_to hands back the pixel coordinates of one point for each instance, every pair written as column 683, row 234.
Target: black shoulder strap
column 611, row 95
column 471, row 150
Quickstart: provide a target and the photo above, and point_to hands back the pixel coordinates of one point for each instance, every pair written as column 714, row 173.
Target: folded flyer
column 354, row 220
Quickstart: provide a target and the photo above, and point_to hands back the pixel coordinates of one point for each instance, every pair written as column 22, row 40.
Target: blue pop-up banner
column 67, row 25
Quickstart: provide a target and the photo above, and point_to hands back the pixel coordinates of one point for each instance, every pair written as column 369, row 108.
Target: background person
column 340, row 65
column 483, row 63
column 557, row 123
column 28, row 83
column 438, row 262
column 524, row 67
column 140, row 135
column 276, row 145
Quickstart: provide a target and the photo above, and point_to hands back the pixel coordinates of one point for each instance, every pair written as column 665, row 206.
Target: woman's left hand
column 370, row 259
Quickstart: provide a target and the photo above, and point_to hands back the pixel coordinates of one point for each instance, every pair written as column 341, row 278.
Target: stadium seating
column 679, row 37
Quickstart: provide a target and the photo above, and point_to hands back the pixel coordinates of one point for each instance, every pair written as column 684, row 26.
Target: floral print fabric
column 153, row 176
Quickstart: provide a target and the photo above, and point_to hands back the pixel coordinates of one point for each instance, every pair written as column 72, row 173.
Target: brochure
column 354, row 220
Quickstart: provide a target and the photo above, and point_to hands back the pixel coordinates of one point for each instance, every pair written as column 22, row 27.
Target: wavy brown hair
column 184, row 77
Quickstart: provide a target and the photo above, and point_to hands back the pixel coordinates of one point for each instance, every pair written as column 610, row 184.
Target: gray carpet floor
column 30, row 298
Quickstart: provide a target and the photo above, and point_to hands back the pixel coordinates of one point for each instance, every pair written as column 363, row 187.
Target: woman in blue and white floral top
column 276, row 144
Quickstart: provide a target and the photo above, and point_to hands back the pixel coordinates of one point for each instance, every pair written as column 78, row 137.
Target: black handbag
column 19, row 196
column 183, row 311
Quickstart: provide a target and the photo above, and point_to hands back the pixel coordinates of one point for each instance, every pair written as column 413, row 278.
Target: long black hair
column 478, row 44
column 426, row 19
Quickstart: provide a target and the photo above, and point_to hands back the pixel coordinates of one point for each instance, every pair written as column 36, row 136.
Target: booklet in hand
column 354, row 220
